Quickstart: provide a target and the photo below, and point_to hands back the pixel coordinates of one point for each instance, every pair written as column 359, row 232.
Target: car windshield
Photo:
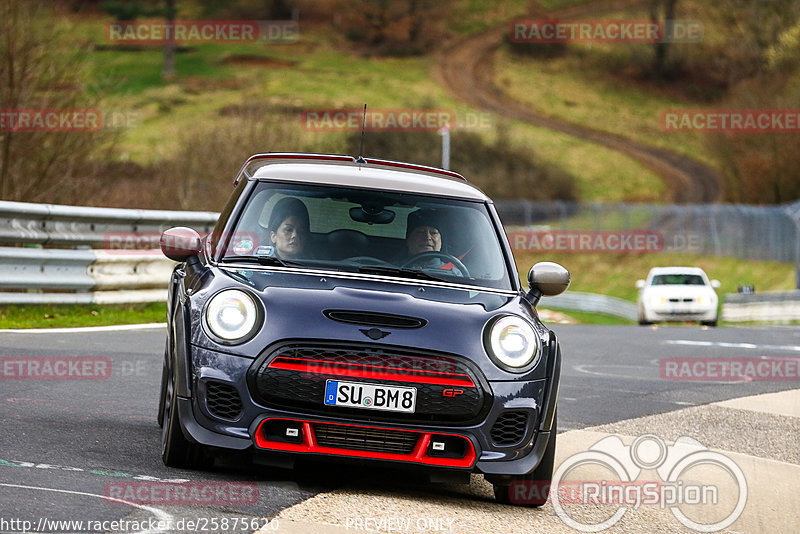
column 678, row 280
column 367, row 231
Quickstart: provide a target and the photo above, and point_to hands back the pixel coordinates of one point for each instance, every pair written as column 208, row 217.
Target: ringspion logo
column 689, row 481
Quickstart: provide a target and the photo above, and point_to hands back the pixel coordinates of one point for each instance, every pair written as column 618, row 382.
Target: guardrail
column 773, row 306
column 90, row 276
column 592, row 303
column 86, row 275
column 70, row 276
column 74, row 226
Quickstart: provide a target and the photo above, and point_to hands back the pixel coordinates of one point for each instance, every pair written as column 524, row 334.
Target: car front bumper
column 689, row 312
column 240, row 422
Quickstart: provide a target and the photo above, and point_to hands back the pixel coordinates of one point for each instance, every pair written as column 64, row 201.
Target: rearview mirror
column 715, row 284
column 547, row 279
column 372, row 215
column 180, row 243
column 639, row 284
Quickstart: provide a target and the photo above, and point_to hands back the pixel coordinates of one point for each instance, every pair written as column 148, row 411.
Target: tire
column 176, row 450
column 162, row 398
column 536, row 483
column 709, row 323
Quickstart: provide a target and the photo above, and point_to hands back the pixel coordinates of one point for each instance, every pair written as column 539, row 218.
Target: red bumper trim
column 419, row 455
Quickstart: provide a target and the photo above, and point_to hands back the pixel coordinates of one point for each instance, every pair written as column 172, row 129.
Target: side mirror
column 640, row 284
column 180, row 243
column 715, row 284
column 547, row 279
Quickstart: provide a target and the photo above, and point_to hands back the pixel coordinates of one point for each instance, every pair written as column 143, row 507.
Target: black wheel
column 709, row 323
column 644, row 323
column 176, row 450
column 423, row 257
column 532, row 489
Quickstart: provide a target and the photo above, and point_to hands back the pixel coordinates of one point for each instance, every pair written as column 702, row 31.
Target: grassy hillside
column 320, row 71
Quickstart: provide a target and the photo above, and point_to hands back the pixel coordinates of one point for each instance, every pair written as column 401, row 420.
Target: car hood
column 294, row 306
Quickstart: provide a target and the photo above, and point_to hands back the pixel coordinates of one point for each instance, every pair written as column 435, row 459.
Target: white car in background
column 677, row 294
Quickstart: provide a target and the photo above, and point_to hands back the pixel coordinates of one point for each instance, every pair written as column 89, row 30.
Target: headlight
column 513, row 344
column 657, row 299
column 231, row 315
column 705, row 299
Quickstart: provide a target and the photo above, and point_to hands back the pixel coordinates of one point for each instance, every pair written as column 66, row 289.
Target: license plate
column 370, row 396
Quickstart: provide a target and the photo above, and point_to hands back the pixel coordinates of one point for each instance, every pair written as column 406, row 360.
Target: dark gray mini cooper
column 360, row 309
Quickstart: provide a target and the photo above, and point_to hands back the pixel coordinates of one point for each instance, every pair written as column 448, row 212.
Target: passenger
column 288, row 228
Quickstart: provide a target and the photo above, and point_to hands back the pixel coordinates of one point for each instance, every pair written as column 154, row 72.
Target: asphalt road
column 66, row 444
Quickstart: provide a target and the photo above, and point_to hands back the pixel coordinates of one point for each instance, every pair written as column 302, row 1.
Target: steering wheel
column 422, row 257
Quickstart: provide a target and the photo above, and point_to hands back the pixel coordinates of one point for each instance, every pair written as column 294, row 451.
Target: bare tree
column 169, row 46
column 662, row 12
column 41, row 69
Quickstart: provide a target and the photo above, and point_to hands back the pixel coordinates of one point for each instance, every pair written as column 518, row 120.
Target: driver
column 422, row 233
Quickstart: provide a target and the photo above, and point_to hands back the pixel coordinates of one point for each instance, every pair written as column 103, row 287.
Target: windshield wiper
column 263, row 260
column 397, row 271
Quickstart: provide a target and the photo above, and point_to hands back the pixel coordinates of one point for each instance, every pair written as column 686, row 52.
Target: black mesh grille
column 509, row 429
column 223, row 400
column 296, row 389
column 365, row 439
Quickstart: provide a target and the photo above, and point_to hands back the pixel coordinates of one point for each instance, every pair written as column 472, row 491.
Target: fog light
column 447, row 447
column 283, row 431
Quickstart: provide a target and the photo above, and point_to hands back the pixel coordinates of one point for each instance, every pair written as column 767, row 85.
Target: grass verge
column 73, row 315
column 587, row 318
column 616, row 275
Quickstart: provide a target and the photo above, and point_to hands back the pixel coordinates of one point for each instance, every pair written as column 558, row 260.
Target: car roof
column 367, row 173
column 676, row 270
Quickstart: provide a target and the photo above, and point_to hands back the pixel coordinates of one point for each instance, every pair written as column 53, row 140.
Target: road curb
column 471, row 509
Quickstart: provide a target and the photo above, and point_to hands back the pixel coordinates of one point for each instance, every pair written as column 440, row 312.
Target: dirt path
column 466, row 67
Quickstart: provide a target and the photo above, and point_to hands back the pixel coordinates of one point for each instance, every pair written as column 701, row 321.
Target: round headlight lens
column 513, row 342
column 231, row 314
